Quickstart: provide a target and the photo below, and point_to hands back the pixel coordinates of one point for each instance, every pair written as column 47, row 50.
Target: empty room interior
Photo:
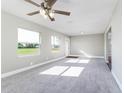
column 61, row 46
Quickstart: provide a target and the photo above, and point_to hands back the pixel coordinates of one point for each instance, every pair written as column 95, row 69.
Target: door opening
column 108, row 49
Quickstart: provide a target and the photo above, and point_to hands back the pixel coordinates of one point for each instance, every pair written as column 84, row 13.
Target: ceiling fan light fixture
column 46, row 9
column 43, row 13
column 52, row 14
column 45, row 16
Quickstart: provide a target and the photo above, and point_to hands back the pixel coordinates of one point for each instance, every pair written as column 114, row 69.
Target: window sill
column 33, row 55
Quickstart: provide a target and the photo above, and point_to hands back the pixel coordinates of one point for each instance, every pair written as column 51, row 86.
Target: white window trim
column 40, row 42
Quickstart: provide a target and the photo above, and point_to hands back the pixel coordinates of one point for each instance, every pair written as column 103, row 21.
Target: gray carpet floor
column 80, row 75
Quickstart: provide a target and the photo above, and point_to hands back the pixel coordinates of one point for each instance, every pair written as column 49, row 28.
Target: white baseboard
column 28, row 68
column 88, row 56
column 97, row 56
column 118, row 82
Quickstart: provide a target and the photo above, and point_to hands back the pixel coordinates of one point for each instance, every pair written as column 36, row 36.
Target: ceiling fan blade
column 33, row 13
column 32, row 2
column 62, row 12
column 50, row 3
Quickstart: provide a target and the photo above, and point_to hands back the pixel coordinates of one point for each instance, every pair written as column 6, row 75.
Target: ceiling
column 87, row 16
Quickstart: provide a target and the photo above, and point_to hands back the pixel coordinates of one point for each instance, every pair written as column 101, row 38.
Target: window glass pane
column 52, row 41
column 55, row 43
column 28, row 42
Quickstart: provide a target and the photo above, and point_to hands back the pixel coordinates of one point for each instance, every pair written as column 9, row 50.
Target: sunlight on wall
column 63, row 71
column 31, row 63
column 73, row 71
column 56, row 70
column 85, row 54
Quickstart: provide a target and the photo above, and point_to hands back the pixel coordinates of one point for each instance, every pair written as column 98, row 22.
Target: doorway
column 108, row 49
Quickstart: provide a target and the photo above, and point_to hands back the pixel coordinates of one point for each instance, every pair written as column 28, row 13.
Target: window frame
column 40, row 42
column 56, row 40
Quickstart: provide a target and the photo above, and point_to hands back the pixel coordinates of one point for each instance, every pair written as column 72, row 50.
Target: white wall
column 10, row 59
column 87, row 45
column 116, row 25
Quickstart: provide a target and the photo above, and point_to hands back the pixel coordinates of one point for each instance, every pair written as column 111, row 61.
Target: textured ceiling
column 88, row 16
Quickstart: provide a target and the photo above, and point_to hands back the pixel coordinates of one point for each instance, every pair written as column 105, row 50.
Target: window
column 28, row 42
column 55, row 43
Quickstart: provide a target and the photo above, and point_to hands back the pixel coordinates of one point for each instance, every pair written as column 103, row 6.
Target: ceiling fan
column 46, row 9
